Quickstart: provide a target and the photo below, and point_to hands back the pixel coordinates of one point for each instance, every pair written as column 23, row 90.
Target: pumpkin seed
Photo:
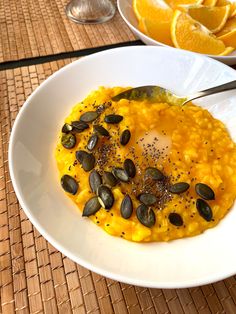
column 68, row 140
column 125, row 137
column 91, row 207
column 88, row 162
column 80, row 155
column 89, row 116
column 109, row 179
column 95, row 181
column 204, row 191
column 129, row 167
column 204, row 209
column 147, row 199
column 120, row 174
column 79, row 126
column 179, row 188
column 126, row 207
column 69, row 184
column 146, row 216
column 154, row 173
column 92, row 142
column 105, row 197
column 66, row 128
column 175, row 219
column 113, row 118
column 101, row 130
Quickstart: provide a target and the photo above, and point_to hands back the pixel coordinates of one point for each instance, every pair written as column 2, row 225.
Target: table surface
column 36, row 39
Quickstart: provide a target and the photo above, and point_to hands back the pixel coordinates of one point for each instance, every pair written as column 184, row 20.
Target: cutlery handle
column 213, row 90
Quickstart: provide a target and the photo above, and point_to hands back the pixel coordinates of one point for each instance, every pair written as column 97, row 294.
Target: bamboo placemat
column 36, row 278
column 32, row 28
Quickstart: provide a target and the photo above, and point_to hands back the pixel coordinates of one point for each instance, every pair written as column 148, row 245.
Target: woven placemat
column 36, row 278
column 35, row 28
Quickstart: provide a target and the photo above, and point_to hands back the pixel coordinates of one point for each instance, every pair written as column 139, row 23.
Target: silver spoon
column 159, row 94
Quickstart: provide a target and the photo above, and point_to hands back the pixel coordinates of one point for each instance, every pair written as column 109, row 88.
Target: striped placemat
column 36, row 278
column 35, row 28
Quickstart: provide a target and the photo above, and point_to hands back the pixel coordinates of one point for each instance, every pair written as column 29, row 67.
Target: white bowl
column 182, row 263
column 128, row 15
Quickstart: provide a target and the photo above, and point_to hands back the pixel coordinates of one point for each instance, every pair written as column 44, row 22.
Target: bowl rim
column 47, row 235
column 158, row 43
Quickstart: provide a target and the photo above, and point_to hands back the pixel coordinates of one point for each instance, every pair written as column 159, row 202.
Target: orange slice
column 229, row 39
column 157, row 30
column 154, row 19
column 188, row 34
column 229, row 26
column 152, row 9
column 214, row 18
column 232, row 4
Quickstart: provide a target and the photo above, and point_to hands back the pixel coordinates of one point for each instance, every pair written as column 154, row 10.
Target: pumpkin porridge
column 146, row 171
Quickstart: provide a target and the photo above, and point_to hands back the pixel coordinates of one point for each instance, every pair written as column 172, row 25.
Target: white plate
column 128, row 15
column 182, row 263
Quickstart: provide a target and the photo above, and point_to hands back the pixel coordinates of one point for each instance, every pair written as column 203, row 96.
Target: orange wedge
column 214, row 18
column 157, row 30
column 229, row 39
column 154, row 19
column 153, row 10
column 229, row 26
column 232, row 4
column 187, row 33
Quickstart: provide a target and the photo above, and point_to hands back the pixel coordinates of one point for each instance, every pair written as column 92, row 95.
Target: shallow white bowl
column 128, row 15
column 181, row 263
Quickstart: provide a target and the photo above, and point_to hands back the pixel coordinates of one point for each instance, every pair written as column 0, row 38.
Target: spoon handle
column 212, row 90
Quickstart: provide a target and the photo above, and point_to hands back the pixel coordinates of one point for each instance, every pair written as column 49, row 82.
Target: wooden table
column 36, row 39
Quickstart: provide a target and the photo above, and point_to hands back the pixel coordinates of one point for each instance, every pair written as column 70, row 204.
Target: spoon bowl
column 159, row 94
